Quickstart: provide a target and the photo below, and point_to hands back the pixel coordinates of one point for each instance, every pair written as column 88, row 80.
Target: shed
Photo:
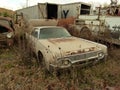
column 55, row 11
column 75, row 9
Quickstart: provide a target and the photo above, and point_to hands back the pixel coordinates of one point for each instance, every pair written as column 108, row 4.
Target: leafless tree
column 114, row 2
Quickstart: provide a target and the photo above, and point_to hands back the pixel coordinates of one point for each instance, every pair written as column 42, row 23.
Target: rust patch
column 54, row 41
column 5, row 18
column 81, row 51
column 92, row 48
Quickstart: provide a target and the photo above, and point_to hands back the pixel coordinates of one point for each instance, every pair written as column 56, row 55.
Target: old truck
column 7, row 31
column 101, row 26
column 55, row 48
column 106, row 29
column 104, row 25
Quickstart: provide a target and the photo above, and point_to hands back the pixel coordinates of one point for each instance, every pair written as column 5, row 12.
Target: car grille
column 83, row 56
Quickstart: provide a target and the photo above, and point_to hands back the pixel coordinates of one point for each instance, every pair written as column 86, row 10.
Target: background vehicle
column 6, row 31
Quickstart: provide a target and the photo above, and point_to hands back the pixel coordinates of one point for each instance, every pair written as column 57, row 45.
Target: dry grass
column 8, row 12
column 14, row 76
column 18, row 71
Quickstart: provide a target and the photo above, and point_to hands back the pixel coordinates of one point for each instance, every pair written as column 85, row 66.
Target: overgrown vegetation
column 17, row 72
column 6, row 12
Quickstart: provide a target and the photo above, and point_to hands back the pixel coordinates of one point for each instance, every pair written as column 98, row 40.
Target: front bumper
column 82, row 60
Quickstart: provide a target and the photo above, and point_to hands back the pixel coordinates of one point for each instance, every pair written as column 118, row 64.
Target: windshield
column 46, row 33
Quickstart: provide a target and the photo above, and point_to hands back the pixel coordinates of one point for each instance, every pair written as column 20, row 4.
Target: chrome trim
column 55, row 66
column 87, row 58
column 84, row 56
column 84, row 60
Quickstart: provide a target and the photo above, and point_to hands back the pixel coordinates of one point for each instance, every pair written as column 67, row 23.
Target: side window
column 35, row 33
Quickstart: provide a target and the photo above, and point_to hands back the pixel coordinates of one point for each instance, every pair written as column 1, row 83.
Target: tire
column 85, row 33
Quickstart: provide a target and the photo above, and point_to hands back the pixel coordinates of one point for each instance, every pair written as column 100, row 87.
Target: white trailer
column 41, row 11
column 76, row 9
column 55, row 11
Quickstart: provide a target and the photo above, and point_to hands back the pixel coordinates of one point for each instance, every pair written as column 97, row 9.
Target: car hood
column 70, row 45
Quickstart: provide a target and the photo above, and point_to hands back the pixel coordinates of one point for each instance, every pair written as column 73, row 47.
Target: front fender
column 103, row 48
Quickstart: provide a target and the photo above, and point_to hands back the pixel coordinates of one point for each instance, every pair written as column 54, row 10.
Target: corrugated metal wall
column 42, row 11
column 39, row 11
column 59, row 11
column 29, row 13
column 72, row 10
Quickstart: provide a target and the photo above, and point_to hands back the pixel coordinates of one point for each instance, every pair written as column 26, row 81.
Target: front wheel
column 40, row 60
column 42, row 64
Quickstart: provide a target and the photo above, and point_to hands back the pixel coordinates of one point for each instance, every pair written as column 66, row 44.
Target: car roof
column 5, row 18
column 41, row 27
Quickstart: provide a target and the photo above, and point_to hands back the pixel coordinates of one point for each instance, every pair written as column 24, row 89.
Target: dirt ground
column 16, row 74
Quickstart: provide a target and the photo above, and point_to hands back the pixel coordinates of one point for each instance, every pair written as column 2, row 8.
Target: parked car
column 6, row 31
column 56, row 48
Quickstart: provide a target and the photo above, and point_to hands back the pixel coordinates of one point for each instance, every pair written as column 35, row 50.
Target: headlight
column 64, row 62
column 100, row 55
column 9, row 35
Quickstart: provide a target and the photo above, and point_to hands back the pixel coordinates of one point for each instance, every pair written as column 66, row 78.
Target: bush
column 5, row 14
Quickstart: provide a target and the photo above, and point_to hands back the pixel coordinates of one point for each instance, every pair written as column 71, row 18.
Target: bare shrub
column 98, row 77
column 23, row 49
column 66, row 22
column 81, row 31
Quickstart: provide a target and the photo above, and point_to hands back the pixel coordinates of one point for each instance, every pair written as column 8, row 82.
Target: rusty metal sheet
column 60, row 40
column 80, row 51
column 5, row 18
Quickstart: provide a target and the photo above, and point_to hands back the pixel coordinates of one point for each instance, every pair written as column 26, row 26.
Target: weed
column 21, row 72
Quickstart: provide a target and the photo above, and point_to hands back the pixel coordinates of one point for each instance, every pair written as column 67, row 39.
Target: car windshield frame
column 53, row 32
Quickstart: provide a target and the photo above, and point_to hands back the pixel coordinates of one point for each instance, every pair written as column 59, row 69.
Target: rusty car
column 56, row 48
column 6, row 31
